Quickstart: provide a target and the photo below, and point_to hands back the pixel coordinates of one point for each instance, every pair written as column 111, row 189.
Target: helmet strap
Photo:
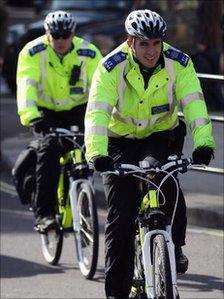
column 133, row 46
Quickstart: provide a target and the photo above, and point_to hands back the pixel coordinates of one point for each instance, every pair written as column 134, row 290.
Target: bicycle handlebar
column 69, row 135
column 62, row 132
column 180, row 165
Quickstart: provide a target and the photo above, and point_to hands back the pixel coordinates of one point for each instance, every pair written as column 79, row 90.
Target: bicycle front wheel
column 51, row 245
column 161, row 269
column 87, row 240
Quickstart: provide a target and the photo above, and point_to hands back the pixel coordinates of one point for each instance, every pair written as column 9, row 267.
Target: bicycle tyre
column 138, row 283
column 162, row 277
column 51, row 246
column 87, row 240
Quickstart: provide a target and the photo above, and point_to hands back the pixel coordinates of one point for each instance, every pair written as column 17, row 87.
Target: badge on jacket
column 86, row 52
column 179, row 56
column 113, row 60
column 36, row 49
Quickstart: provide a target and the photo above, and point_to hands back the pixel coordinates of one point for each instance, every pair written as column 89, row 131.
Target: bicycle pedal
column 135, row 294
column 138, row 282
column 40, row 231
column 66, row 234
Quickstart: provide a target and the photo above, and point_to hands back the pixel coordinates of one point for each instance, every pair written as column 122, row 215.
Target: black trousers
column 123, row 202
column 48, row 154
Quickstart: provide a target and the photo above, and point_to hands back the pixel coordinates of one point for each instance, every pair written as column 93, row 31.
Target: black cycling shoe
column 44, row 224
column 181, row 261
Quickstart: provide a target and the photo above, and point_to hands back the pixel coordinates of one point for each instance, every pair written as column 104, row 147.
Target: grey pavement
column 203, row 209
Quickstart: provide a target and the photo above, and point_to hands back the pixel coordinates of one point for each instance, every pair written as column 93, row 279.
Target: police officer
column 53, row 78
column 132, row 115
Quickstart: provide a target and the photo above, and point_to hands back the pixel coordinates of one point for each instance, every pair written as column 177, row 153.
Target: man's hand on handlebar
column 40, row 125
column 102, row 163
column 203, row 155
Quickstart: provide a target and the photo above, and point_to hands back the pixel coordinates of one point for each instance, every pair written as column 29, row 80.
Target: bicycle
column 76, row 210
column 155, row 274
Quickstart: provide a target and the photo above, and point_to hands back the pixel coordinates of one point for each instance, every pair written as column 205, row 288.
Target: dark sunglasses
column 64, row 36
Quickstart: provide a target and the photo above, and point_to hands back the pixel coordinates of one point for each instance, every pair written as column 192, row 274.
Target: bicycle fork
column 73, row 192
column 148, row 263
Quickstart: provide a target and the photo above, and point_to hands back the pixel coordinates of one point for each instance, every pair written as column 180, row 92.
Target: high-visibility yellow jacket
column 43, row 78
column 120, row 106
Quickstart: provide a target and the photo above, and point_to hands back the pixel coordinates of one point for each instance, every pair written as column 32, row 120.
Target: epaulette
column 86, row 52
column 113, row 60
column 36, row 49
column 177, row 55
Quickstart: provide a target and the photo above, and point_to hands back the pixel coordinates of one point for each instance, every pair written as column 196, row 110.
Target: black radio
column 75, row 74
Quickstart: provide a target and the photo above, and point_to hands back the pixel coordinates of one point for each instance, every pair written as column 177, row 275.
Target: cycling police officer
column 53, row 78
column 132, row 115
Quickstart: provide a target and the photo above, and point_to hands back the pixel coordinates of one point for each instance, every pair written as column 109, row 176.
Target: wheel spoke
column 51, row 246
column 162, row 273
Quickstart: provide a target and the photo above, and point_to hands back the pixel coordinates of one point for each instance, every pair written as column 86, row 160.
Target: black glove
column 102, row 163
column 39, row 125
column 203, row 155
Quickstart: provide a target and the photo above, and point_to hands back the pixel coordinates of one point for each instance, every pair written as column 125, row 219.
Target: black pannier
column 24, row 173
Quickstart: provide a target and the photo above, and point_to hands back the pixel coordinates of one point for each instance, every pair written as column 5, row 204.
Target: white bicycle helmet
column 145, row 24
column 60, row 22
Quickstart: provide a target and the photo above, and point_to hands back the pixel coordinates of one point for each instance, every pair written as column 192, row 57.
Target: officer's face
column 61, row 45
column 146, row 51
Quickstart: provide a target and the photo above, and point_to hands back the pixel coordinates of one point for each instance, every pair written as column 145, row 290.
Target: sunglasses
column 64, row 36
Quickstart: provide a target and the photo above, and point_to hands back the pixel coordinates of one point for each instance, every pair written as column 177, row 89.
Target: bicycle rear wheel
column 162, row 272
column 87, row 240
column 51, row 245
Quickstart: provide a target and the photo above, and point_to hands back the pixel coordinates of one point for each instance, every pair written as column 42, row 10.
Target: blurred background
column 194, row 26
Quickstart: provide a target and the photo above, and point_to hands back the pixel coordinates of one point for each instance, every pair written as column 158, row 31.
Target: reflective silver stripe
column 144, row 123
column 45, row 98
column 199, row 122
column 99, row 105
column 84, row 44
column 23, row 83
column 57, row 102
column 42, row 69
column 112, row 134
column 26, row 103
column 175, row 124
column 83, row 74
column 117, row 116
column 191, row 97
column 122, row 85
column 169, row 65
column 31, row 82
column 96, row 130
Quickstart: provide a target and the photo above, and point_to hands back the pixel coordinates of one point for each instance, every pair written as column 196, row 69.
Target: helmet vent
column 145, row 24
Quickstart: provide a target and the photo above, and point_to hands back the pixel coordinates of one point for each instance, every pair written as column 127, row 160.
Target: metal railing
column 215, row 118
column 211, row 77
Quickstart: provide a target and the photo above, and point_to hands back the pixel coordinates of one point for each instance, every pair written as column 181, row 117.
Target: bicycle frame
column 70, row 215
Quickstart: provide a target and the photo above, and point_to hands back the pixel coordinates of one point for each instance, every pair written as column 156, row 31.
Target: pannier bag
column 23, row 173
